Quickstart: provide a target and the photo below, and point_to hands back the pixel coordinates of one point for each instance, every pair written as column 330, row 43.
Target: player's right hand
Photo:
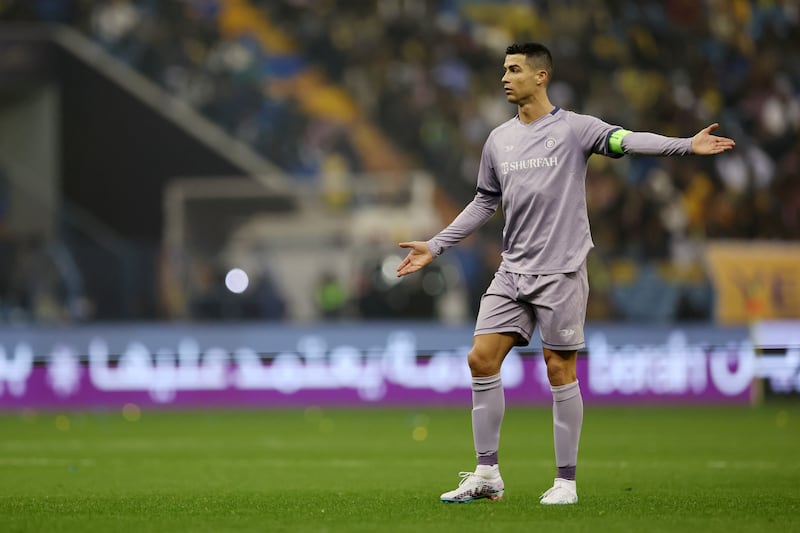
column 418, row 257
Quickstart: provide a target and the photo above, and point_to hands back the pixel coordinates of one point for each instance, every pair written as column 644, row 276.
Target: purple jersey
column 538, row 171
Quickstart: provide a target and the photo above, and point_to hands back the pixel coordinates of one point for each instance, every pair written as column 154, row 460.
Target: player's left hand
column 703, row 143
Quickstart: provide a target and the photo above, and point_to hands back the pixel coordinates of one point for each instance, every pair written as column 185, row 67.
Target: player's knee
column 480, row 364
column 560, row 371
column 558, row 376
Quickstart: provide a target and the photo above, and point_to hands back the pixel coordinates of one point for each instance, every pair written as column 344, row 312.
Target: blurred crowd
column 299, row 79
column 430, row 77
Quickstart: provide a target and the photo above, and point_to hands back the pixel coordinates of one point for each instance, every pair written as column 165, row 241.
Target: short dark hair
column 537, row 54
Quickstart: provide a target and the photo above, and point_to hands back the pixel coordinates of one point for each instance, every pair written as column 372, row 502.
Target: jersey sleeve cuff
column 434, row 247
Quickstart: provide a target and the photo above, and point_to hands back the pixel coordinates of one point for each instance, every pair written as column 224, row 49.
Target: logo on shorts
column 566, row 333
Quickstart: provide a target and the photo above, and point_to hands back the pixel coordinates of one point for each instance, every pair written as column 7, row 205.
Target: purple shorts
column 516, row 303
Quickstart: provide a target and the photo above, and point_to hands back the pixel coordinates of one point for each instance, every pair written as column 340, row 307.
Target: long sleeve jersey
column 538, row 172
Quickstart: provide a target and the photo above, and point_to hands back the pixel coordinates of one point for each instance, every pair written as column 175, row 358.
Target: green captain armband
column 615, row 141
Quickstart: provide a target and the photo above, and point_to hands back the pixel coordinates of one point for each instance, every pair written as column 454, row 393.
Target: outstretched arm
column 474, row 215
column 703, row 143
column 646, row 143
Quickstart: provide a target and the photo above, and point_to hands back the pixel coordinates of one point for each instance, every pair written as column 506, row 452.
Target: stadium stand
column 401, row 84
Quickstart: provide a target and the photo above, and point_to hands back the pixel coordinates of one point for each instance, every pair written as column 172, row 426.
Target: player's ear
column 541, row 77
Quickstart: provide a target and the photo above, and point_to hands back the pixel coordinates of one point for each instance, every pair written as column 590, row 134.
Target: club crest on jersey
column 550, row 143
column 525, row 164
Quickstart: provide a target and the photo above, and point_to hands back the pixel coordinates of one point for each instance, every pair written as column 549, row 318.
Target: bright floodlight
column 389, row 269
column 236, row 280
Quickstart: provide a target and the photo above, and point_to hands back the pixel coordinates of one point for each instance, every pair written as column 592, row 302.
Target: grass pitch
column 641, row 469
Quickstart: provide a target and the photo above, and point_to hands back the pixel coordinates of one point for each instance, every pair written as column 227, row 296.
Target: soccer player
column 535, row 164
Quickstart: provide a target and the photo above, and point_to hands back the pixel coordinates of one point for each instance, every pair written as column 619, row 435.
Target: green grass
column 641, row 469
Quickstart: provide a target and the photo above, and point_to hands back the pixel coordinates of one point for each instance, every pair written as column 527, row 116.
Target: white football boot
column 563, row 492
column 485, row 482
